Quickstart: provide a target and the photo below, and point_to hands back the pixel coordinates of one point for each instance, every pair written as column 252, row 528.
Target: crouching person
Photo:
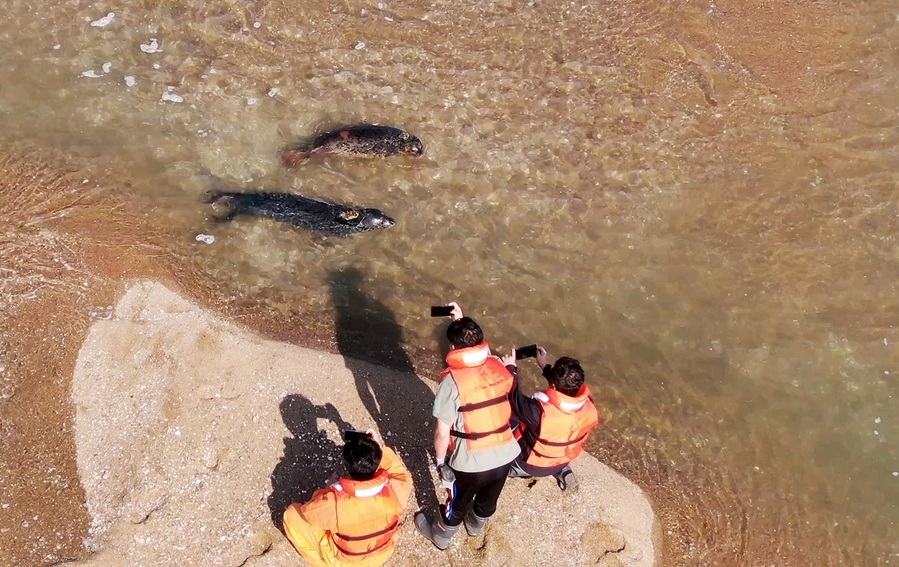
column 354, row 521
column 554, row 423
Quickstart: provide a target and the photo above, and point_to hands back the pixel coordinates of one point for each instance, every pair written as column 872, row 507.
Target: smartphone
column 441, row 310
column 351, row 435
column 529, row 351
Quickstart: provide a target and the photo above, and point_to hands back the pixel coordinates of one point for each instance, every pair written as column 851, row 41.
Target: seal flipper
column 293, row 158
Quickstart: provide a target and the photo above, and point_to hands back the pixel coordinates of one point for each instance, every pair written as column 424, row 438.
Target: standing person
column 354, row 521
column 473, row 413
column 553, row 424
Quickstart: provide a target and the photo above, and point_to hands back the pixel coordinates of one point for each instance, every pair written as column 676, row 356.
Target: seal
column 323, row 218
column 367, row 140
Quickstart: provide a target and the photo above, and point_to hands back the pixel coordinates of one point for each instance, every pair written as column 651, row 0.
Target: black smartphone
column 351, row 435
column 529, row 351
column 441, row 310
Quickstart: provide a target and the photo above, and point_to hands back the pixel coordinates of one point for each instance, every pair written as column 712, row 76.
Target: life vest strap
column 388, row 529
column 562, row 443
column 484, row 404
column 358, row 553
column 479, row 435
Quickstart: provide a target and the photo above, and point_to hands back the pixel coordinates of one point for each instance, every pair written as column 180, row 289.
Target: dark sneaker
column 568, row 482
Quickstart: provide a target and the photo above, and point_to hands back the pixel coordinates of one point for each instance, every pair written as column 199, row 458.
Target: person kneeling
column 553, row 424
column 354, row 521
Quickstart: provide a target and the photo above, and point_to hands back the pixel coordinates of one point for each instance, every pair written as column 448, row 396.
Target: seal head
column 411, row 145
column 366, row 219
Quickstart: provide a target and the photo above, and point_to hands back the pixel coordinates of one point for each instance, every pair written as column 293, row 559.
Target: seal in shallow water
column 362, row 140
column 301, row 212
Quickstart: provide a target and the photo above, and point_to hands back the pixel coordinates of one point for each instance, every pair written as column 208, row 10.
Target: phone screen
column 529, row 351
column 441, row 310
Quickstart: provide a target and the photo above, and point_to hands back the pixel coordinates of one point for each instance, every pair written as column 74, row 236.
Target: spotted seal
column 363, row 140
column 301, row 212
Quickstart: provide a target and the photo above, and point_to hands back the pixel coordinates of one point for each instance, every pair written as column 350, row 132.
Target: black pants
column 478, row 491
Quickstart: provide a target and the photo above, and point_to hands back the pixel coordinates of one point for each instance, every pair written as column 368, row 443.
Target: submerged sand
column 192, row 435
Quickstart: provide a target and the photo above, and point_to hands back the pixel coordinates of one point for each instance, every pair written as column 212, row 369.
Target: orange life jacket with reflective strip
column 564, row 427
column 484, row 384
column 368, row 515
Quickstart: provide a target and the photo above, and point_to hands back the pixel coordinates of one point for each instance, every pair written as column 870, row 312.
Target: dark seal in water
column 301, row 212
column 363, row 140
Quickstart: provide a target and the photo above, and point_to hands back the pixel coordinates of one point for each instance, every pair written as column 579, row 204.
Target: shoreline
column 198, row 398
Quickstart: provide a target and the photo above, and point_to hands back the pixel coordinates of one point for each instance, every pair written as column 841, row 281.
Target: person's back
column 355, row 520
column 555, row 423
column 482, row 383
column 367, row 515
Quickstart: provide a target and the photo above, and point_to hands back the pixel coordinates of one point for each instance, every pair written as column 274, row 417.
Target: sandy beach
column 192, row 435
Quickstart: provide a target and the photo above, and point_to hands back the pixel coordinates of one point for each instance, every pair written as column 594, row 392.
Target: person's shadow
column 367, row 330
column 310, row 457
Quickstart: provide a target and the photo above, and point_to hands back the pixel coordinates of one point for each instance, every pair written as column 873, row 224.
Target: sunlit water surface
column 698, row 201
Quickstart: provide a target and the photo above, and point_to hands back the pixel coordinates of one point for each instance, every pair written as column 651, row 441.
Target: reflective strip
column 373, row 491
column 476, row 357
column 570, row 406
column 562, row 404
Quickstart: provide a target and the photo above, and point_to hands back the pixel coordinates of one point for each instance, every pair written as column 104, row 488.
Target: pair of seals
column 323, row 218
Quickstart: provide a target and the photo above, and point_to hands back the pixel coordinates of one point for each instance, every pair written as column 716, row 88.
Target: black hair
column 464, row 333
column 568, row 376
column 362, row 458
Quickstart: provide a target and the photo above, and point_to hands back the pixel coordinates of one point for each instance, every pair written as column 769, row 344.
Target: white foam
column 130, row 81
column 104, row 21
column 151, row 46
column 172, row 97
column 91, row 74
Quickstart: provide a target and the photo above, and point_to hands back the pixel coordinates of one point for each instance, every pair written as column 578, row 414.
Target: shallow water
column 700, row 202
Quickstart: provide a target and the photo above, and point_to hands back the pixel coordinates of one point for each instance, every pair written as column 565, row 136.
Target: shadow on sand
column 310, row 457
column 367, row 330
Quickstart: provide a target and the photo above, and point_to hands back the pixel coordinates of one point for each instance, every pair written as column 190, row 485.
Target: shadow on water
column 310, row 457
column 367, row 330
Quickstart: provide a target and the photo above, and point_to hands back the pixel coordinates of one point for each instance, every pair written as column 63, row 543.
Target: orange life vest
column 484, row 384
column 368, row 515
column 564, row 427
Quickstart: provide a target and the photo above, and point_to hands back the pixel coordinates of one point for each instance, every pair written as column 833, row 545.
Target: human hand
column 541, row 357
column 509, row 359
column 374, row 435
column 457, row 311
column 446, row 475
